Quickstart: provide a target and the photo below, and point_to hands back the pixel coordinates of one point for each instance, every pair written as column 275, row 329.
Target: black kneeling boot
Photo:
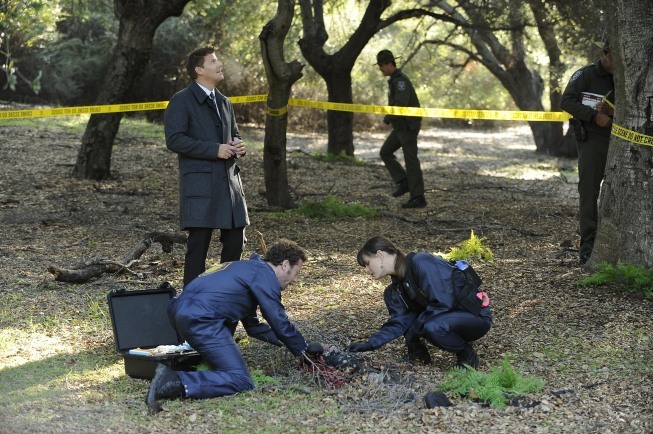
column 166, row 384
column 467, row 357
column 417, row 352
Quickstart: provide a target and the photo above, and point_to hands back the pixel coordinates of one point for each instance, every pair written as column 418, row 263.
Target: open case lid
column 140, row 318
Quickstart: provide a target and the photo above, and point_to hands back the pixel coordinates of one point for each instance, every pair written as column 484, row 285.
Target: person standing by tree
column 584, row 98
column 200, row 126
column 404, row 134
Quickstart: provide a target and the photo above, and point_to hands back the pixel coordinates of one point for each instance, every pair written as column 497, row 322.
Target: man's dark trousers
column 197, row 248
column 412, row 175
column 592, row 156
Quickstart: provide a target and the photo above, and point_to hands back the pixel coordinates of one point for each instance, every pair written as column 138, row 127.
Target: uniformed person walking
column 404, row 134
column 584, row 99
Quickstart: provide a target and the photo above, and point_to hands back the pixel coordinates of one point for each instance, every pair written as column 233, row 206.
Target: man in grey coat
column 200, row 127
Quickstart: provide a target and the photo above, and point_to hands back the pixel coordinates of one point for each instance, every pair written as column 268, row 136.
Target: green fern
column 629, row 277
column 494, row 388
column 472, row 248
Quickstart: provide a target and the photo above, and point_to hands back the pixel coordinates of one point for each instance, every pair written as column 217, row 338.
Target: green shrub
column 494, row 388
column 333, row 208
column 629, row 277
column 472, row 248
column 340, row 157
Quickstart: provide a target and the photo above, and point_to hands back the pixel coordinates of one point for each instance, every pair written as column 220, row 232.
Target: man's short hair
column 282, row 250
column 196, row 58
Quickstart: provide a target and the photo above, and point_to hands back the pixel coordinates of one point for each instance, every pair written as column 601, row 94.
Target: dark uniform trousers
column 592, row 157
column 412, row 175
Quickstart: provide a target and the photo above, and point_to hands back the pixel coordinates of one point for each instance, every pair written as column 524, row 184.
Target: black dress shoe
column 165, row 385
column 401, row 190
column 415, row 202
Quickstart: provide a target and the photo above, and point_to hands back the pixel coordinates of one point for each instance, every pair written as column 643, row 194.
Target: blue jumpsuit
column 206, row 314
column 441, row 323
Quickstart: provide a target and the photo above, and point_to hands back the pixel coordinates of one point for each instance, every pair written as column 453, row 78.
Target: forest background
column 57, row 52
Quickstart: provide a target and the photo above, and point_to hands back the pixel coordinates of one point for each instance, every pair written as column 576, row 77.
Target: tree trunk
column 625, row 230
column 341, row 124
column 336, row 68
column 281, row 76
column 566, row 145
column 138, row 23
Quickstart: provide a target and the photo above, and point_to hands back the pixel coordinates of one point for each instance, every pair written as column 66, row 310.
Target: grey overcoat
column 210, row 191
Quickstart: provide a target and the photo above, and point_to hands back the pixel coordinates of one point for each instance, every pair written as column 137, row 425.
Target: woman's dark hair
column 377, row 243
column 282, row 250
column 196, row 58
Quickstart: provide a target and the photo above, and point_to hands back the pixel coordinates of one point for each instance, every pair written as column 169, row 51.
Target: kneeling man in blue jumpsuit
column 206, row 314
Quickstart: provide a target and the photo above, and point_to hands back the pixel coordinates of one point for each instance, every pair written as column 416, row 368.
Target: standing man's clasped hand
column 237, row 147
column 234, row 149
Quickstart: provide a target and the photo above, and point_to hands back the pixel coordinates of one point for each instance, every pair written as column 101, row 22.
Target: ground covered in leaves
column 60, row 371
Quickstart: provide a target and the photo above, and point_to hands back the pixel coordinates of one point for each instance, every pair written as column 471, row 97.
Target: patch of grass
column 576, row 351
column 260, row 378
column 333, row 208
column 472, row 248
column 11, row 301
column 340, row 157
column 628, row 277
column 495, row 387
column 140, row 127
column 72, row 124
column 244, row 412
column 132, row 126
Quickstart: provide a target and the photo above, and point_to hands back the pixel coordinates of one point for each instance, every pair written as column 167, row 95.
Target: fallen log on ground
column 98, row 265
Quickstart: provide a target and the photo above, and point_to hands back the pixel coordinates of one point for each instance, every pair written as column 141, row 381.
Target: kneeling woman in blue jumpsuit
column 441, row 322
column 207, row 312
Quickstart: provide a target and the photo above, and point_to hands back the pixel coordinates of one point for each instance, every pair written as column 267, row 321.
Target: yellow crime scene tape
column 631, row 136
column 81, row 110
column 356, row 108
column 469, row 114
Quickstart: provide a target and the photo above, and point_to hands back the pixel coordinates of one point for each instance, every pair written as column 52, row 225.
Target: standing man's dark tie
column 215, row 105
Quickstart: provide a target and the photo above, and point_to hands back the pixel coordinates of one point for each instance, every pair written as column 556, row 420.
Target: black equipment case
column 140, row 320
